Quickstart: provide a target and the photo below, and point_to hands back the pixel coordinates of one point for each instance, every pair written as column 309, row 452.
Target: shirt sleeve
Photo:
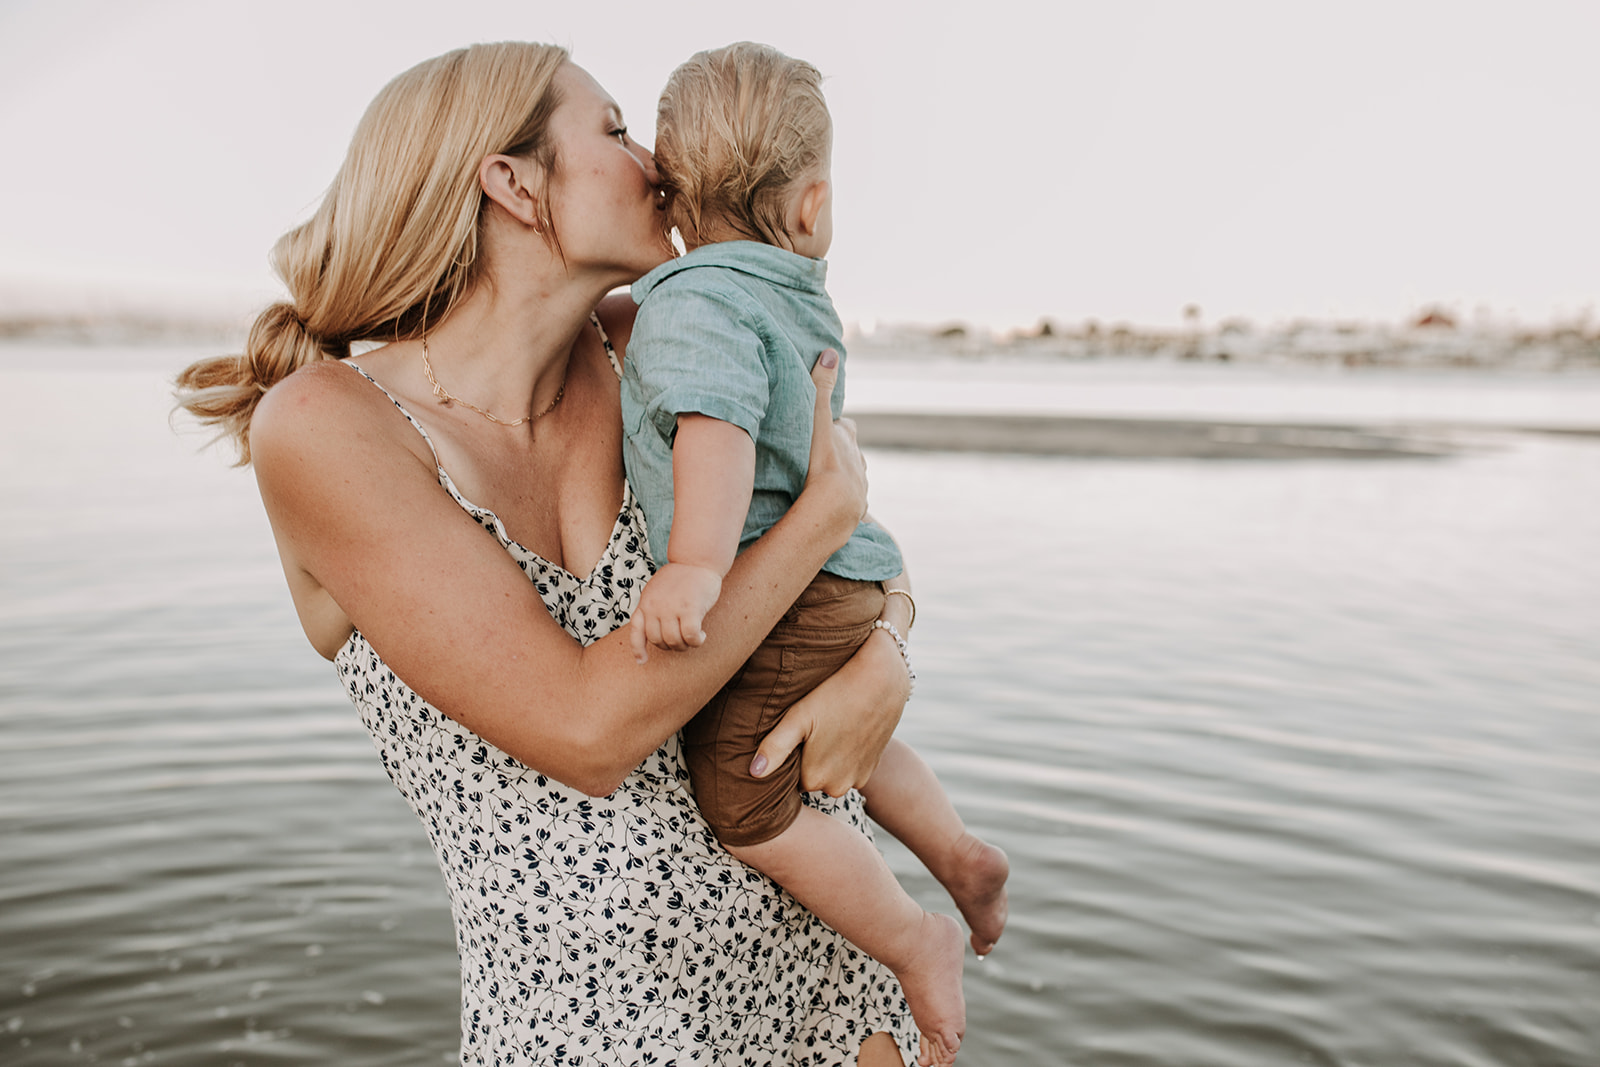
column 698, row 350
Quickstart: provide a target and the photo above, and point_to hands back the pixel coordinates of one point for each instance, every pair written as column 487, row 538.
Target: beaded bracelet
column 909, row 600
column 900, row 643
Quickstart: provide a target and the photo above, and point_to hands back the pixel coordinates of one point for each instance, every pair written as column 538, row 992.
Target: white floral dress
column 612, row 931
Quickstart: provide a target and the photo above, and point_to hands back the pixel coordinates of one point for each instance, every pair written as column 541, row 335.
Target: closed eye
column 621, row 133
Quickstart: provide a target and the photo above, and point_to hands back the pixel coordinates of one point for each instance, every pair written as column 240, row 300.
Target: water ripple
column 1295, row 765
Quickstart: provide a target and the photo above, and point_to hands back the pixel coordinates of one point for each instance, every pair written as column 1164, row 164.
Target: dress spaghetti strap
column 409, row 417
column 611, row 353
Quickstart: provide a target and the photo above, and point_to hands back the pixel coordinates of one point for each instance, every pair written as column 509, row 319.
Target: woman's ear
column 510, row 182
column 811, row 202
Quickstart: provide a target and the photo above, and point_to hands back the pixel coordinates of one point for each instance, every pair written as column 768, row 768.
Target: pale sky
column 995, row 161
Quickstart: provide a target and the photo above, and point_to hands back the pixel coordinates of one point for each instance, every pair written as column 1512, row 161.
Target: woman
column 490, row 199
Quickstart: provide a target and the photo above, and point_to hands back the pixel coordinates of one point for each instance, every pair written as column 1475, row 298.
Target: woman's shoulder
column 323, row 409
column 318, row 394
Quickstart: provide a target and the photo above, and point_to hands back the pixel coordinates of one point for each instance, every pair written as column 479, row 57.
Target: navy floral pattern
column 613, row 931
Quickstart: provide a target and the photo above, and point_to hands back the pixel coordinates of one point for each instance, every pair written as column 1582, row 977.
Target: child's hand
column 673, row 608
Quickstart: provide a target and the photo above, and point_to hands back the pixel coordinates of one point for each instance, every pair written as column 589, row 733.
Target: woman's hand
column 845, row 722
column 836, row 474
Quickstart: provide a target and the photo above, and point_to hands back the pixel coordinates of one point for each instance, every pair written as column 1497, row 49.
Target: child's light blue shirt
column 731, row 330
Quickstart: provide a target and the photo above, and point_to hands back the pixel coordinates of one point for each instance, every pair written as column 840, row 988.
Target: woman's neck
column 507, row 342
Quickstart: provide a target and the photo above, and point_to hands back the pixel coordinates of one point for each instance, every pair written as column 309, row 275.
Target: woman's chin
column 658, row 255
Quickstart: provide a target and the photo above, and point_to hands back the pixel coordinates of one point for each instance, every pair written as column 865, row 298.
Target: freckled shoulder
column 328, row 403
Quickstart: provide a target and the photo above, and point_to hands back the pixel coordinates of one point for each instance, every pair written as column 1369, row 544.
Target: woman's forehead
column 580, row 87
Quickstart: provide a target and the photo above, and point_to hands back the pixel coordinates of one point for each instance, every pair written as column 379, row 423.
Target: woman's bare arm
column 452, row 614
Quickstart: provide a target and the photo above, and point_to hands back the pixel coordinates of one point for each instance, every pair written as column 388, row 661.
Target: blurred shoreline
column 1354, row 390
column 1433, row 339
column 120, row 328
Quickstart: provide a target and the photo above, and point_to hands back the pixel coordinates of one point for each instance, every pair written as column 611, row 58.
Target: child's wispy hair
column 736, row 128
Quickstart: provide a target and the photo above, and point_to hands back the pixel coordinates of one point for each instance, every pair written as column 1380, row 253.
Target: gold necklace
column 450, row 398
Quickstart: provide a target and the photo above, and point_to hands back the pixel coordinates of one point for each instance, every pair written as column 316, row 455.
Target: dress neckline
column 498, row 528
column 494, row 524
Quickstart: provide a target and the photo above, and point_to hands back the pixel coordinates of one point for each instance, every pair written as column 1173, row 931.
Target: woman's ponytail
column 393, row 245
column 223, row 391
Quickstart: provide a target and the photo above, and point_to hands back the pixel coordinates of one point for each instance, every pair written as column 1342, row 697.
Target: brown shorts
column 823, row 629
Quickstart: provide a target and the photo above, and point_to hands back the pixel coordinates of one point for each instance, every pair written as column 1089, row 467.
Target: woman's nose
column 647, row 160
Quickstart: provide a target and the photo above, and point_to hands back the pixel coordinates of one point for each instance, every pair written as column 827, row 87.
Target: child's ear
column 811, row 202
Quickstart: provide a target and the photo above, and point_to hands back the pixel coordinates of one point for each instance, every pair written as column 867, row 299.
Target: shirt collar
column 767, row 262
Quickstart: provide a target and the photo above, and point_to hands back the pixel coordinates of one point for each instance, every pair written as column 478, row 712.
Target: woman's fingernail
column 758, row 766
column 830, row 358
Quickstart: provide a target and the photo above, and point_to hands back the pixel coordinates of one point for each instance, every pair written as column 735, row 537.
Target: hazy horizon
column 1255, row 160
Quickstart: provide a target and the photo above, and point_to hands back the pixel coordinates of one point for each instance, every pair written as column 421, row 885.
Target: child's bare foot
column 931, row 981
column 932, row 1054
column 978, row 886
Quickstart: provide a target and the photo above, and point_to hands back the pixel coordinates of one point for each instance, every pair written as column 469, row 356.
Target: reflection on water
column 1296, row 763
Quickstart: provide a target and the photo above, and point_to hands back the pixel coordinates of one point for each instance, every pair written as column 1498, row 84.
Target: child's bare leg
column 906, row 799
column 836, row 873
column 880, row 1050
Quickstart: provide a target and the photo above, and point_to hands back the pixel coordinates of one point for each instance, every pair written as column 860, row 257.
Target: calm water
column 1296, row 762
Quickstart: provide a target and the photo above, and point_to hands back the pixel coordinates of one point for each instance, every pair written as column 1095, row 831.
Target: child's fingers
column 672, row 633
column 652, row 631
column 636, row 638
column 694, row 627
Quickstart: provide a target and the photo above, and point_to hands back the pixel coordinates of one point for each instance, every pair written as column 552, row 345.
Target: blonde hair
column 736, row 128
column 394, row 245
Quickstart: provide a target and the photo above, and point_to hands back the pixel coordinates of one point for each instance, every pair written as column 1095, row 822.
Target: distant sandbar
column 1142, row 438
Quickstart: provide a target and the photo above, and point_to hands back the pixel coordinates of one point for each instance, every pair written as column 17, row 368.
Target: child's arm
column 713, row 472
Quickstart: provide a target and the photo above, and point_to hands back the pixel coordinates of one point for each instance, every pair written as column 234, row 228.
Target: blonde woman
column 447, row 511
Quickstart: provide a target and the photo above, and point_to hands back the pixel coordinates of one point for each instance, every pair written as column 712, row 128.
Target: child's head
column 743, row 145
